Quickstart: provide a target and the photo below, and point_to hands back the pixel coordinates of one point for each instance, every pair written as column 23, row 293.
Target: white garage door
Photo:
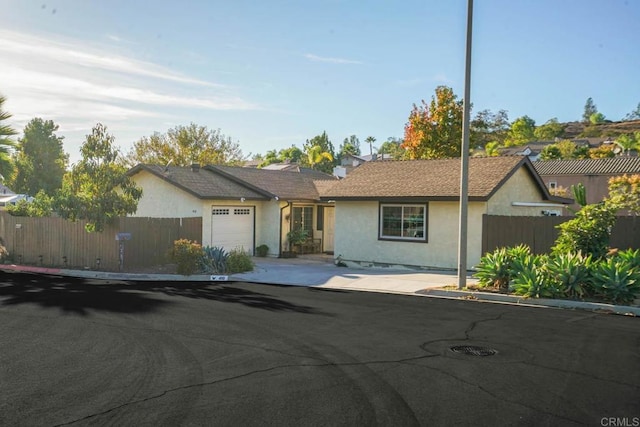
column 232, row 227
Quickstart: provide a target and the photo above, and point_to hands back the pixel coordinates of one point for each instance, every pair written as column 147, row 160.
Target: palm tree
column 315, row 155
column 6, row 143
column 370, row 140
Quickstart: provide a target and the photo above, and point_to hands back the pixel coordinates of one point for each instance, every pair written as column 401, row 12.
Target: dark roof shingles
column 285, row 185
column 438, row 178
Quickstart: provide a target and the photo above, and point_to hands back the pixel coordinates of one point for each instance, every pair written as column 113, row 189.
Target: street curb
column 103, row 275
column 531, row 302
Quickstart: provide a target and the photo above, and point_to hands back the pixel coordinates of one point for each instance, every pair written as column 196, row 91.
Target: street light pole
column 464, row 157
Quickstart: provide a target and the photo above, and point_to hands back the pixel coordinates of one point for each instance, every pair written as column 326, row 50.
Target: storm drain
column 473, row 350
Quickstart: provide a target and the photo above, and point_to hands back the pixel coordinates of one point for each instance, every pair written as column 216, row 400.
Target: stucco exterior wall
column 163, row 200
column 519, row 188
column 356, row 236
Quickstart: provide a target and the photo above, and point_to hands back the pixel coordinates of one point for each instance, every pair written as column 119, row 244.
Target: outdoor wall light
column 242, row 199
column 64, row 260
column 98, row 262
column 40, row 259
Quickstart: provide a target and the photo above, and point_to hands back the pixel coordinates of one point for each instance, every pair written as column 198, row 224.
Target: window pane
column 392, row 220
column 303, row 218
column 403, row 221
column 413, row 221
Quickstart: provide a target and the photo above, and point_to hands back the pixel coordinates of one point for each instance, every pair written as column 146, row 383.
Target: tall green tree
column 292, row 154
column 487, row 126
column 349, row 146
column 6, row 142
column 393, row 147
column 316, row 156
column 323, row 141
column 597, row 118
column 589, row 109
column 522, row 131
column 370, row 140
column 549, row 131
column 97, row 188
column 434, row 130
column 184, row 145
column 40, row 160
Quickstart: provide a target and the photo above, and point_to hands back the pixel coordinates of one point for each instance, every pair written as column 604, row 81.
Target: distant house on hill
column 350, row 161
column 594, row 174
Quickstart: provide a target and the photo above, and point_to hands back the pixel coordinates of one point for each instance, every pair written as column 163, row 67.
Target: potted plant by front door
column 294, row 237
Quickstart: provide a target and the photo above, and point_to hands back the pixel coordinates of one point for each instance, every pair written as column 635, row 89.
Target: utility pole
column 464, row 157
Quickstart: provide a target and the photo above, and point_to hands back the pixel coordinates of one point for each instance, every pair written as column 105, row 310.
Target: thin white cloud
column 79, row 54
column 77, row 85
column 317, row 58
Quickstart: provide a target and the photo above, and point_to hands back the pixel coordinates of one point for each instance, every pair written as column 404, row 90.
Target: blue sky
column 275, row 73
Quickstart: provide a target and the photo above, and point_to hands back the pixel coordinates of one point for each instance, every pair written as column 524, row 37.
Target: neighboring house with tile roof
column 406, row 212
column 594, row 174
column 240, row 207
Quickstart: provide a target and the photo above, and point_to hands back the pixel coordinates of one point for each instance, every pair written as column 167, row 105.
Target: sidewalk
column 321, row 272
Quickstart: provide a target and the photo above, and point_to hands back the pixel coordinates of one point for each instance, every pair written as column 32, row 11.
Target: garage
column 232, row 227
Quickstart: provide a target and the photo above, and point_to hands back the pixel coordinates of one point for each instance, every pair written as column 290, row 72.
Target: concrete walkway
column 320, row 271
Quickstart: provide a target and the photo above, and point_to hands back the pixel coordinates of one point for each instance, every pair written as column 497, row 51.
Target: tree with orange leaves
column 435, row 130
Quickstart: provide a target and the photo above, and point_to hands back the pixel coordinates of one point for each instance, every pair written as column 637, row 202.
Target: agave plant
column 494, row 269
column 571, row 273
column 531, row 279
column 630, row 256
column 616, row 280
column 214, row 260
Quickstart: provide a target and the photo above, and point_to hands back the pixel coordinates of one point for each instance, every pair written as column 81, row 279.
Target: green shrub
column 588, row 232
column 239, row 261
column 616, row 280
column 187, row 255
column 495, row 269
column 262, row 250
column 214, row 260
column 531, row 279
column 571, row 272
column 630, row 256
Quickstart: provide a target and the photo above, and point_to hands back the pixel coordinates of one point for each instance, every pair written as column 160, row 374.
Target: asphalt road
column 78, row 352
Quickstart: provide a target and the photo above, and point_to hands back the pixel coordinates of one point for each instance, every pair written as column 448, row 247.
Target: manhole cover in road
column 473, row 350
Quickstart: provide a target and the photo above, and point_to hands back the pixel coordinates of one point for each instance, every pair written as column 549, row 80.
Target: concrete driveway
column 320, row 271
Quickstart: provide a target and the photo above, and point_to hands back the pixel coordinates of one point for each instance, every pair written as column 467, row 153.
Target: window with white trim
column 400, row 221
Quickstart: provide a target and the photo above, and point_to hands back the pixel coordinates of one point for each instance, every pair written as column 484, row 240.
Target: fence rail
column 55, row 242
column 540, row 232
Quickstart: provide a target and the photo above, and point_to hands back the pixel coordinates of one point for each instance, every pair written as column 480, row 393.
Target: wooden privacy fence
column 540, row 232
column 55, row 242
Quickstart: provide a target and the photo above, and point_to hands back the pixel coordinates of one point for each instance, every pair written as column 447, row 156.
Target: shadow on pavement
column 74, row 295
column 227, row 294
column 81, row 295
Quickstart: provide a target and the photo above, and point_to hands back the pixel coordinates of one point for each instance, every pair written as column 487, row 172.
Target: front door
column 329, row 228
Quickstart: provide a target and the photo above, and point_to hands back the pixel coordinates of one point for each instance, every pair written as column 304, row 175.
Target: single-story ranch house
column 407, row 212
column 240, row 207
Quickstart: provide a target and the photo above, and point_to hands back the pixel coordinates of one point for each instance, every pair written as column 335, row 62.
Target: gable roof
column 203, row 184
column 437, row 179
column 283, row 184
column 232, row 182
column 608, row 166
